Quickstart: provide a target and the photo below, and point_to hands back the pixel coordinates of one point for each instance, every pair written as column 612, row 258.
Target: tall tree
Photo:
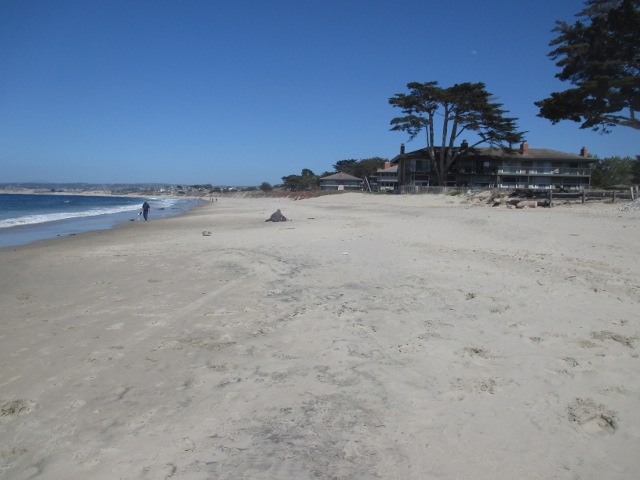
column 600, row 56
column 465, row 107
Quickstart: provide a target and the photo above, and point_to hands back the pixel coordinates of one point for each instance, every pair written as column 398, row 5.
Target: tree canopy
column 360, row 168
column 613, row 171
column 307, row 180
column 600, row 55
column 463, row 108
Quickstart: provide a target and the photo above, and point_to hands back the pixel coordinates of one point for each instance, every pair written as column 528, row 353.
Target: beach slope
column 405, row 337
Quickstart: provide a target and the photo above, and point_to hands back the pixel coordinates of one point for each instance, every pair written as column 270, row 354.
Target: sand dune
column 397, row 337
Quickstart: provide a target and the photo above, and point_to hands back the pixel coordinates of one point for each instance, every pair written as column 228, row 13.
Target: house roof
column 391, row 169
column 341, row 176
column 532, row 154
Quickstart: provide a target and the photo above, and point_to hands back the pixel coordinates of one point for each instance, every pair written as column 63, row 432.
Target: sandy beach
column 391, row 337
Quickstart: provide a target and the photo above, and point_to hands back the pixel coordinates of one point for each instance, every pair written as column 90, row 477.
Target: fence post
column 631, row 188
column 614, row 197
column 584, row 194
column 550, row 198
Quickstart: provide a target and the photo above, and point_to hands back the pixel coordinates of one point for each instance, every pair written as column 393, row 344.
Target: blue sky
column 245, row 91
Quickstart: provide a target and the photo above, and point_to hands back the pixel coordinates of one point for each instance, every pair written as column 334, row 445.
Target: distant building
column 387, row 177
column 341, row 181
column 534, row 168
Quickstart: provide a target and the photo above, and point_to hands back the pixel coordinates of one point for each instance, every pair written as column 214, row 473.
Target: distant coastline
column 131, row 190
column 97, row 193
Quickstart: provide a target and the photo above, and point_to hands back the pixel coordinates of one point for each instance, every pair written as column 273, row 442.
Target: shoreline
column 74, row 224
column 397, row 337
column 124, row 226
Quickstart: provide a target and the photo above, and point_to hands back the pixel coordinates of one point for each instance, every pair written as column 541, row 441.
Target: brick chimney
column 464, row 145
column 524, row 148
column 584, row 152
column 387, row 165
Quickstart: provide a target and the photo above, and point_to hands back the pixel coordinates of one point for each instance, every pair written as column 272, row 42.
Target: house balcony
column 575, row 172
column 525, row 186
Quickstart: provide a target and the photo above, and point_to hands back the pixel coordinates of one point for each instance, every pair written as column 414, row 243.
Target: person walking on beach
column 145, row 210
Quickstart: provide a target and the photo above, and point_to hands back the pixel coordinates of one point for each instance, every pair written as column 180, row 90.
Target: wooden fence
column 585, row 195
column 544, row 195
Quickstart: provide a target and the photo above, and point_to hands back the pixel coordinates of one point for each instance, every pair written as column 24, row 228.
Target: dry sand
column 391, row 337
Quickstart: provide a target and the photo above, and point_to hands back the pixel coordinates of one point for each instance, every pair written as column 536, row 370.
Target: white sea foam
column 52, row 217
column 163, row 202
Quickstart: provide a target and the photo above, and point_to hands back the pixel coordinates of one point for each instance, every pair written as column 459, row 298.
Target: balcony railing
column 524, row 186
column 543, row 171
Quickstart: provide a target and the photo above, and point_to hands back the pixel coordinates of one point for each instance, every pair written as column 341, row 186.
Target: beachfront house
column 387, row 177
column 526, row 168
column 341, row 181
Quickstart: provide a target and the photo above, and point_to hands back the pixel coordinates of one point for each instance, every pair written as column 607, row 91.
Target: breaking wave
column 52, row 217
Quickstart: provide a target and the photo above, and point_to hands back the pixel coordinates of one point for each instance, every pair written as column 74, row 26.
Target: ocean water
column 27, row 218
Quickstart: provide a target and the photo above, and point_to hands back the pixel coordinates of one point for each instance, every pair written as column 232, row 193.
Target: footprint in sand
column 218, row 367
column 621, row 339
column 572, row 366
column 592, row 417
column 188, row 444
column 9, row 455
column 477, row 352
column 16, row 408
column 157, row 323
column 586, row 344
column 488, row 385
column 347, row 313
column 499, row 310
column 76, row 404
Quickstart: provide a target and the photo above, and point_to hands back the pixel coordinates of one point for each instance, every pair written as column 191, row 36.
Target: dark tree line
column 616, row 171
column 307, row 180
column 365, row 167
